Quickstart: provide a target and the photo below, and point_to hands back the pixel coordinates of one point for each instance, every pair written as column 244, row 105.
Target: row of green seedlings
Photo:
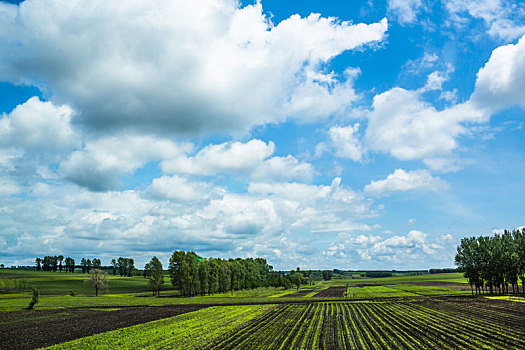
column 370, row 326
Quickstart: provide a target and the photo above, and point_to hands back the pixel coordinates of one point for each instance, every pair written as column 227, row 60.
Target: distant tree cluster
column 54, row 263
column 378, row 274
column 447, row 270
column 87, row 264
column 124, row 266
column 493, row 262
column 327, row 275
column 194, row 275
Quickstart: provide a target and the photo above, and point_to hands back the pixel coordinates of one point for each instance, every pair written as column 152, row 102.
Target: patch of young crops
column 194, row 330
column 396, row 325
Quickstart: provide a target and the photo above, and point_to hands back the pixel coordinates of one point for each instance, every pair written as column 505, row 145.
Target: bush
column 34, row 299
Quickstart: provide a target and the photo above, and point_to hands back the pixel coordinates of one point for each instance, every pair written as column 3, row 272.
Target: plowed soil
column 38, row 328
column 332, row 292
column 452, row 285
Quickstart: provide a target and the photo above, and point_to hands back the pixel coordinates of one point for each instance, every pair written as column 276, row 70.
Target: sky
column 315, row 134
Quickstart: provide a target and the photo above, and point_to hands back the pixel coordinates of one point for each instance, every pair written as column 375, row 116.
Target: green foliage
column 99, row 280
column 34, row 299
column 193, row 275
column 155, row 274
column 493, row 262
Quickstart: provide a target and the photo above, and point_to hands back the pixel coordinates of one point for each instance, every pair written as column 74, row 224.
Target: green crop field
column 400, row 325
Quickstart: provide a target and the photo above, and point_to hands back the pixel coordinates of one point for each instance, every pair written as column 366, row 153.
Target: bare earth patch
column 38, row 328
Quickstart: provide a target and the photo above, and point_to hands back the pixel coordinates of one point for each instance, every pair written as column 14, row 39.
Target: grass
column 194, row 330
column 508, row 297
column 441, row 277
column 63, row 282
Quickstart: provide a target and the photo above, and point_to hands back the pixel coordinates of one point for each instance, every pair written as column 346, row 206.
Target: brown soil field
column 298, row 294
column 332, row 292
column 452, row 285
column 38, row 328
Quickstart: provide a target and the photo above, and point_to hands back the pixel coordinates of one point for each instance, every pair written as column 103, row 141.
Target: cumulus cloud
column 38, row 127
column 100, row 164
column 252, row 159
column 346, row 141
column 401, row 180
column 501, row 82
column 405, row 126
column 171, row 66
column 283, row 169
column 177, row 188
column 405, row 11
column 392, row 251
column 503, row 19
column 224, row 157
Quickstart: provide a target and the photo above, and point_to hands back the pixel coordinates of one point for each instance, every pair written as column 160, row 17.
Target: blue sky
column 319, row 134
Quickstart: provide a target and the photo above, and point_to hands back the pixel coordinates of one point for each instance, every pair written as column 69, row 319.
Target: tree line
column 193, row 275
column 123, row 266
column 54, row 263
column 492, row 263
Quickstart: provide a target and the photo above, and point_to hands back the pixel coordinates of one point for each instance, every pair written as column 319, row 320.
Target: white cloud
column 405, row 11
column 345, row 140
column 177, row 188
column 503, row 19
column 224, row 157
column 283, row 169
column 501, row 82
column 38, row 127
column 401, row 124
column 393, row 251
column 8, row 187
column 436, row 79
column 172, row 66
column 100, row 165
column 401, row 180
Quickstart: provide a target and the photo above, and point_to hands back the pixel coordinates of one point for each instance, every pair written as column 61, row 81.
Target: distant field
column 444, row 277
column 64, row 283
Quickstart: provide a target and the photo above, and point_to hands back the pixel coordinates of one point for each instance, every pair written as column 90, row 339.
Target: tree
column 327, row 275
column 96, row 263
column 60, row 259
column 115, row 266
column 83, row 264
column 155, row 274
column 47, row 263
column 99, row 280
column 38, row 263
column 70, row 264
column 298, row 279
column 34, row 299
column 54, row 260
column 130, row 267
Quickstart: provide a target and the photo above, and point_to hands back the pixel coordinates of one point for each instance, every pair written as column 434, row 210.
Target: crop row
column 194, row 330
column 400, row 325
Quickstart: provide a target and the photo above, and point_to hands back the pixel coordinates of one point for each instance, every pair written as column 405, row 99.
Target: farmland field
column 406, row 312
column 374, row 325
